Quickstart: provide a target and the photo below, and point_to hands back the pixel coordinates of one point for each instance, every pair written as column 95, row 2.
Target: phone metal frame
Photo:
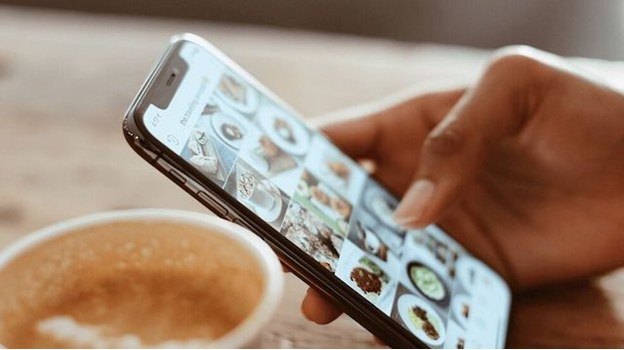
column 225, row 206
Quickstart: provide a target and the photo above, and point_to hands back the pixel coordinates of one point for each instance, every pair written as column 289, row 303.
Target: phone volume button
column 212, row 204
column 177, row 177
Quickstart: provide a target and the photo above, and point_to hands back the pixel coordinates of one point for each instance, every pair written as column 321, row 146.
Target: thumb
column 454, row 151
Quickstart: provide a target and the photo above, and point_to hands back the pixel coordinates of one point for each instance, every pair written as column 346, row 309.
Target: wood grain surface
column 66, row 80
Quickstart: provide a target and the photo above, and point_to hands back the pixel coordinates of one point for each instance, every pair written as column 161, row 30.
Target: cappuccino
column 128, row 284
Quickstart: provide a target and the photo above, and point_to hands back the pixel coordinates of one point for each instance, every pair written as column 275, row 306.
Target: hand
column 525, row 169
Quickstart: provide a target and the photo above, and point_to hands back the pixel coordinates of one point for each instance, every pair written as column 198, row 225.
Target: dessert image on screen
column 257, row 193
column 326, row 162
column 237, row 94
column 366, row 232
column 229, row 126
column 369, row 239
column 271, row 161
column 285, row 130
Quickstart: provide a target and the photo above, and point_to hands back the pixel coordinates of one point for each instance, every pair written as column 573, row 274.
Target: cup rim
column 240, row 335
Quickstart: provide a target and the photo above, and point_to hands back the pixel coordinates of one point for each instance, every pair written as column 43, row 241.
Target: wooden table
column 66, row 80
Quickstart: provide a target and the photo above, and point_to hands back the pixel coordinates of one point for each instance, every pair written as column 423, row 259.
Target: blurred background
column 69, row 69
column 567, row 27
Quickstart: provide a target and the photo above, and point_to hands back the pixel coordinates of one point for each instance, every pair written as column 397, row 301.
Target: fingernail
column 414, row 203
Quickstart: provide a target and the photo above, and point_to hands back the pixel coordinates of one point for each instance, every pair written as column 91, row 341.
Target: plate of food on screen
column 445, row 252
column 337, row 171
column 237, row 94
column 258, row 194
column 288, row 133
column 231, row 131
column 312, row 235
column 318, row 197
column 427, row 282
column 370, row 241
column 369, row 279
column 383, row 205
column 331, row 204
column 204, row 156
column 461, row 309
column 267, row 158
column 421, row 319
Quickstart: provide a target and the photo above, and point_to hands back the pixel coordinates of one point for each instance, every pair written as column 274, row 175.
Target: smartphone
column 228, row 141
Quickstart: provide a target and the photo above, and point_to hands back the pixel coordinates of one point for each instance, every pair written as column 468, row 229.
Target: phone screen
column 240, row 137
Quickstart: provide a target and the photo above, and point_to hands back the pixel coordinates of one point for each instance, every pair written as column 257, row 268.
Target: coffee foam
column 66, row 330
column 176, row 283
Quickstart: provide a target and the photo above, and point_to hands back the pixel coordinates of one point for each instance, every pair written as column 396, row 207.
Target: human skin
column 525, row 169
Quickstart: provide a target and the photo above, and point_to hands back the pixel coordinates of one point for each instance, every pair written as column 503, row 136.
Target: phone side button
column 177, row 177
column 212, row 204
column 147, row 150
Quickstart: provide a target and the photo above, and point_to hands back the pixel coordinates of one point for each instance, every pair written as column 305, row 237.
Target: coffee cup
column 138, row 278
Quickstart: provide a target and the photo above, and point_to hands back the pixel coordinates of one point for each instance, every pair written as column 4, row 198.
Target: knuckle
column 524, row 63
column 520, row 72
column 516, row 50
column 516, row 62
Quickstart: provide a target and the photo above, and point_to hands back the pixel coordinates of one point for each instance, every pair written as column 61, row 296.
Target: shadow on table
column 573, row 315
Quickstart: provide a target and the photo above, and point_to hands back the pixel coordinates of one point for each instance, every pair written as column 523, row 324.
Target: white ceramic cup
column 244, row 334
